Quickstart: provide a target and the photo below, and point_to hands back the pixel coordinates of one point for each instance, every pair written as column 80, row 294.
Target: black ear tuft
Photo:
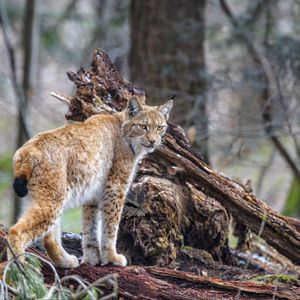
column 134, row 106
column 166, row 108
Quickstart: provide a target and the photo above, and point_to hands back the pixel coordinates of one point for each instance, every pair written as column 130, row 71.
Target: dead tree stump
column 176, row 199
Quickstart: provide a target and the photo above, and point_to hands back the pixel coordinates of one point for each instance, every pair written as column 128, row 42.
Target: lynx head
column 145, row 125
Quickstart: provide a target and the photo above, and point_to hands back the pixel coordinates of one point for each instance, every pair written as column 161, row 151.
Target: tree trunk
column 173, row 184
column 30, row 48
column 167, row 58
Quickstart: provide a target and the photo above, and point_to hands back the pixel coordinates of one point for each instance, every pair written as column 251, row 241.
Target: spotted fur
column 89, row 164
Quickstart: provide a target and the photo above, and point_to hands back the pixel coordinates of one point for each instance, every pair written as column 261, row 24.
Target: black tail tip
column 20, row 186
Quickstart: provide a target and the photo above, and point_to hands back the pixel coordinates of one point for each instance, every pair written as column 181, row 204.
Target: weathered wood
column 100, row 90
column 158, row 220
column 103, row 90
column 158, row 283
column 136, row 282
column 279, row 231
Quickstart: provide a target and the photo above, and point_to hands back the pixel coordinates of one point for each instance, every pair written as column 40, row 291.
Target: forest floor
column 259, row 274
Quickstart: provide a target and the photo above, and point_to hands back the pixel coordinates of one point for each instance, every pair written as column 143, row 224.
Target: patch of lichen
column 276, row 278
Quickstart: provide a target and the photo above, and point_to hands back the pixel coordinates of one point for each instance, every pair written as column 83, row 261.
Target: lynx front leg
column 91, row 244
column 58, row 255
column 112, row 206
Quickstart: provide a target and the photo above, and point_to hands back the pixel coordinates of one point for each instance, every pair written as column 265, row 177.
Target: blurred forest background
column 233, row 65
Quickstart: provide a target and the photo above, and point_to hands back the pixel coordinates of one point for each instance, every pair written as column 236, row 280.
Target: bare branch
column 11, row 55
column 63, row 98
column 270, row 84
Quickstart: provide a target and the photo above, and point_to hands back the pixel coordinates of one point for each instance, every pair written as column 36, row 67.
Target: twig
column 64, row 99
column 263, row 171
column 111, row 278
column 57, row 280
column 254, row 11
column 286, row 116
column 15, row 260
column 256, row 53
column 58, row 283
column 81, row 283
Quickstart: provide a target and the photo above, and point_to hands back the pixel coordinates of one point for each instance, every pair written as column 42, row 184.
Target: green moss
column 232, row 239
column 186, row 248
column 276, row 278
column 6, row 162
column 291, row 207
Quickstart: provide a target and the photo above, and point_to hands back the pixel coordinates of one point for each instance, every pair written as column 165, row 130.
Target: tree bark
column 102, row 90
column 30, row 49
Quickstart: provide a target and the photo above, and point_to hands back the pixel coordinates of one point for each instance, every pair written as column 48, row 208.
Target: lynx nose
column 151, row 138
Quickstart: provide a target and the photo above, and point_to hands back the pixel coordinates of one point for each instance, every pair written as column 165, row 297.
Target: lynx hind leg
column 54, row 249
column 46, row 200
column 35, row 222
column 111, row 211
column 91, row 243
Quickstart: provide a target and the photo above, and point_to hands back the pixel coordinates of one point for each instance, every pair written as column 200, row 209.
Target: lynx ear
column 166, row 108
column 134, row 106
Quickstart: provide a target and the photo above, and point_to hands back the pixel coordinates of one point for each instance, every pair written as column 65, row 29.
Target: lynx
column 89, row 164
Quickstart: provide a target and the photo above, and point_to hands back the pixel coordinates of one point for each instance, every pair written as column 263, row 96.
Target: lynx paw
column 117, row 259
column 69, row 261
column 92, row 260
column 91, row 255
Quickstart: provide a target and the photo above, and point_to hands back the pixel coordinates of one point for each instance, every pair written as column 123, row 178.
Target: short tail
column 22, row 173
column 20, row 186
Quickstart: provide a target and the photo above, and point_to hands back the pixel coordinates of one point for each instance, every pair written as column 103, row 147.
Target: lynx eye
column 160, row 127
column 142, row 126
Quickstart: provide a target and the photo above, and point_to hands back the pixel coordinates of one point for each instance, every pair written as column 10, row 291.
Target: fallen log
column 102, row 90
column 279, row 231
column 136, row 282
